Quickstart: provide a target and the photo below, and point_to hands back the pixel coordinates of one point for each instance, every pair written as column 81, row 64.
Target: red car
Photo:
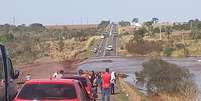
column 86, row 82
column 52, row 90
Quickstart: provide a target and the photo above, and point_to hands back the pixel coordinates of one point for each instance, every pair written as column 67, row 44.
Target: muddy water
column 131, row 65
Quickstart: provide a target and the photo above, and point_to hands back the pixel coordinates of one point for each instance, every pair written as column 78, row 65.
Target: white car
column 109, row 47
column 102, row 36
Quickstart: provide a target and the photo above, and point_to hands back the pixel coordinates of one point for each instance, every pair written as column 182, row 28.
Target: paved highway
column 110, row 39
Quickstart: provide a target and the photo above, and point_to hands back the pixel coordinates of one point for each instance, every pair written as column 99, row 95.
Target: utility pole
column 191, row 25
column 160, row 32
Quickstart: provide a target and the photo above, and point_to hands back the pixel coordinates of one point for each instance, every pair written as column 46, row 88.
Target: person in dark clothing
column 92, row 77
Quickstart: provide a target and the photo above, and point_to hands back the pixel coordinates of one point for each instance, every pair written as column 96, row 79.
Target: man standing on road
column 106, row 85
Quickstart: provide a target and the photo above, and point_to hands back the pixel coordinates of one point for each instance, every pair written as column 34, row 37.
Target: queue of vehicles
column 8, row 76
column 69, row 88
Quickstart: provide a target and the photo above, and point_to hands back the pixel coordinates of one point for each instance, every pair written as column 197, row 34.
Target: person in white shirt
column 58, row 74
column 113, row 82
column 28, row 77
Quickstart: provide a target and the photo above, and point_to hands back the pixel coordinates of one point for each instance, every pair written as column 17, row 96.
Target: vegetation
column 124, row 23
column 144, row 47
column 27, row 43
column 165, row 78
column 103, row 25
column 177, row 39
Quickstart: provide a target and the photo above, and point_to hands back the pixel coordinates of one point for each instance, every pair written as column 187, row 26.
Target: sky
column 93, row 11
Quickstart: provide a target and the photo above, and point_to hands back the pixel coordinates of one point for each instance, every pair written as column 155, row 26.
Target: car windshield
column 47, row 91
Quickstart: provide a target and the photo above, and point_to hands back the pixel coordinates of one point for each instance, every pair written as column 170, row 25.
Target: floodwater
column 131, row 65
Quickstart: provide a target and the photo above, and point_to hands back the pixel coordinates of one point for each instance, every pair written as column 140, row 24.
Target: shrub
column 144, row 47
column 164, row 77
column 168, row 51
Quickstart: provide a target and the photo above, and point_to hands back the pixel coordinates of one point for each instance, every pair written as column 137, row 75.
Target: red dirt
column 44, row 68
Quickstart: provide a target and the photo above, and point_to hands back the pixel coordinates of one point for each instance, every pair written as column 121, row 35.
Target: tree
column 149, row 27
column 155, row 20
column 124, row 23
column 195, row 33
column 139, row 34
column 168, row 31
column 164, row 77
column 135, row 20
column 36, row 25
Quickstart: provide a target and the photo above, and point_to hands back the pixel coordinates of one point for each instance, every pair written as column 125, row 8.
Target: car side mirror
column 16, row 74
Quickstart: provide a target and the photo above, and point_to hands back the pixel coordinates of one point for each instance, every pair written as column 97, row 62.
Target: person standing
column 113, row 82
column 28, row 77
column 58, row 74
column 106, row 85
column 92, row 77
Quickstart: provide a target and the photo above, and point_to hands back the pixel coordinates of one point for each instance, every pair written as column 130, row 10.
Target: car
column 109, row 48
column 102, row 36
column 52, row 90
column 85, row 81
column 8, row 76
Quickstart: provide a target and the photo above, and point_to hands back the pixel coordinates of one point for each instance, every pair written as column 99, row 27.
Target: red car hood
column 46, row 100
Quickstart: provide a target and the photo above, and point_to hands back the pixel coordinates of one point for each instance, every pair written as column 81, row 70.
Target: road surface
column 110, row 39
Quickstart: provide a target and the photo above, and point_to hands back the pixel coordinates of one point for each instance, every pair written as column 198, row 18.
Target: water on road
column 131, row 65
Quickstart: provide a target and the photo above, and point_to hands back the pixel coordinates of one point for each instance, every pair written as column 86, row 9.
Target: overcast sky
column 93, row 11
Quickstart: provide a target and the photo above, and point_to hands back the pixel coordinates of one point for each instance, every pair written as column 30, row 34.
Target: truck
column 8, row 76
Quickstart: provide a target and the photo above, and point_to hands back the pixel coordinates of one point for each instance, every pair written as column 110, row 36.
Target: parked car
column 8, row 87
column 52, row 90
column 86, row 83
column 102, row 36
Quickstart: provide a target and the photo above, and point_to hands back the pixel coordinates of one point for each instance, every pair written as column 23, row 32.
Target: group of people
column 104, row 80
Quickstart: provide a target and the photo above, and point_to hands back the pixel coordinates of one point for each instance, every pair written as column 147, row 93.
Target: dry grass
column 133, row 94
column 70, row 27
column 71, row 48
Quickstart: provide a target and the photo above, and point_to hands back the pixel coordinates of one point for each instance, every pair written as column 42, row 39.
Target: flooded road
column 131, row 65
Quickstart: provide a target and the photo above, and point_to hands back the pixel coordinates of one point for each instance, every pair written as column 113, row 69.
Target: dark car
column 8, row 87
column 52, row 90
column 86, row 82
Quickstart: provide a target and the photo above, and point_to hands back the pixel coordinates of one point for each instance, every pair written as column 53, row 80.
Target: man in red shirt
column 106, row 85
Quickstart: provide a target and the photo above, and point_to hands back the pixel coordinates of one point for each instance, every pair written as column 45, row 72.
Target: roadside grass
column 129, row 92
column 122, row 96
column 72, row 49
column 193, row 47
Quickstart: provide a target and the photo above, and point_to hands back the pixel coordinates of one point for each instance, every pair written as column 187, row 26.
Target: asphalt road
column 110, row 40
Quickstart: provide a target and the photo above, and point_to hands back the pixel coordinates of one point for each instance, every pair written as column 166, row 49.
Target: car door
column 12, row 89
column 2, row 76
column 8, row 88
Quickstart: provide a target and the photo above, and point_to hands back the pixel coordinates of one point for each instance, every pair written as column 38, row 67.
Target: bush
column 6, row 38
column 168, row 51
column 144, row 47
column 164, row 77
